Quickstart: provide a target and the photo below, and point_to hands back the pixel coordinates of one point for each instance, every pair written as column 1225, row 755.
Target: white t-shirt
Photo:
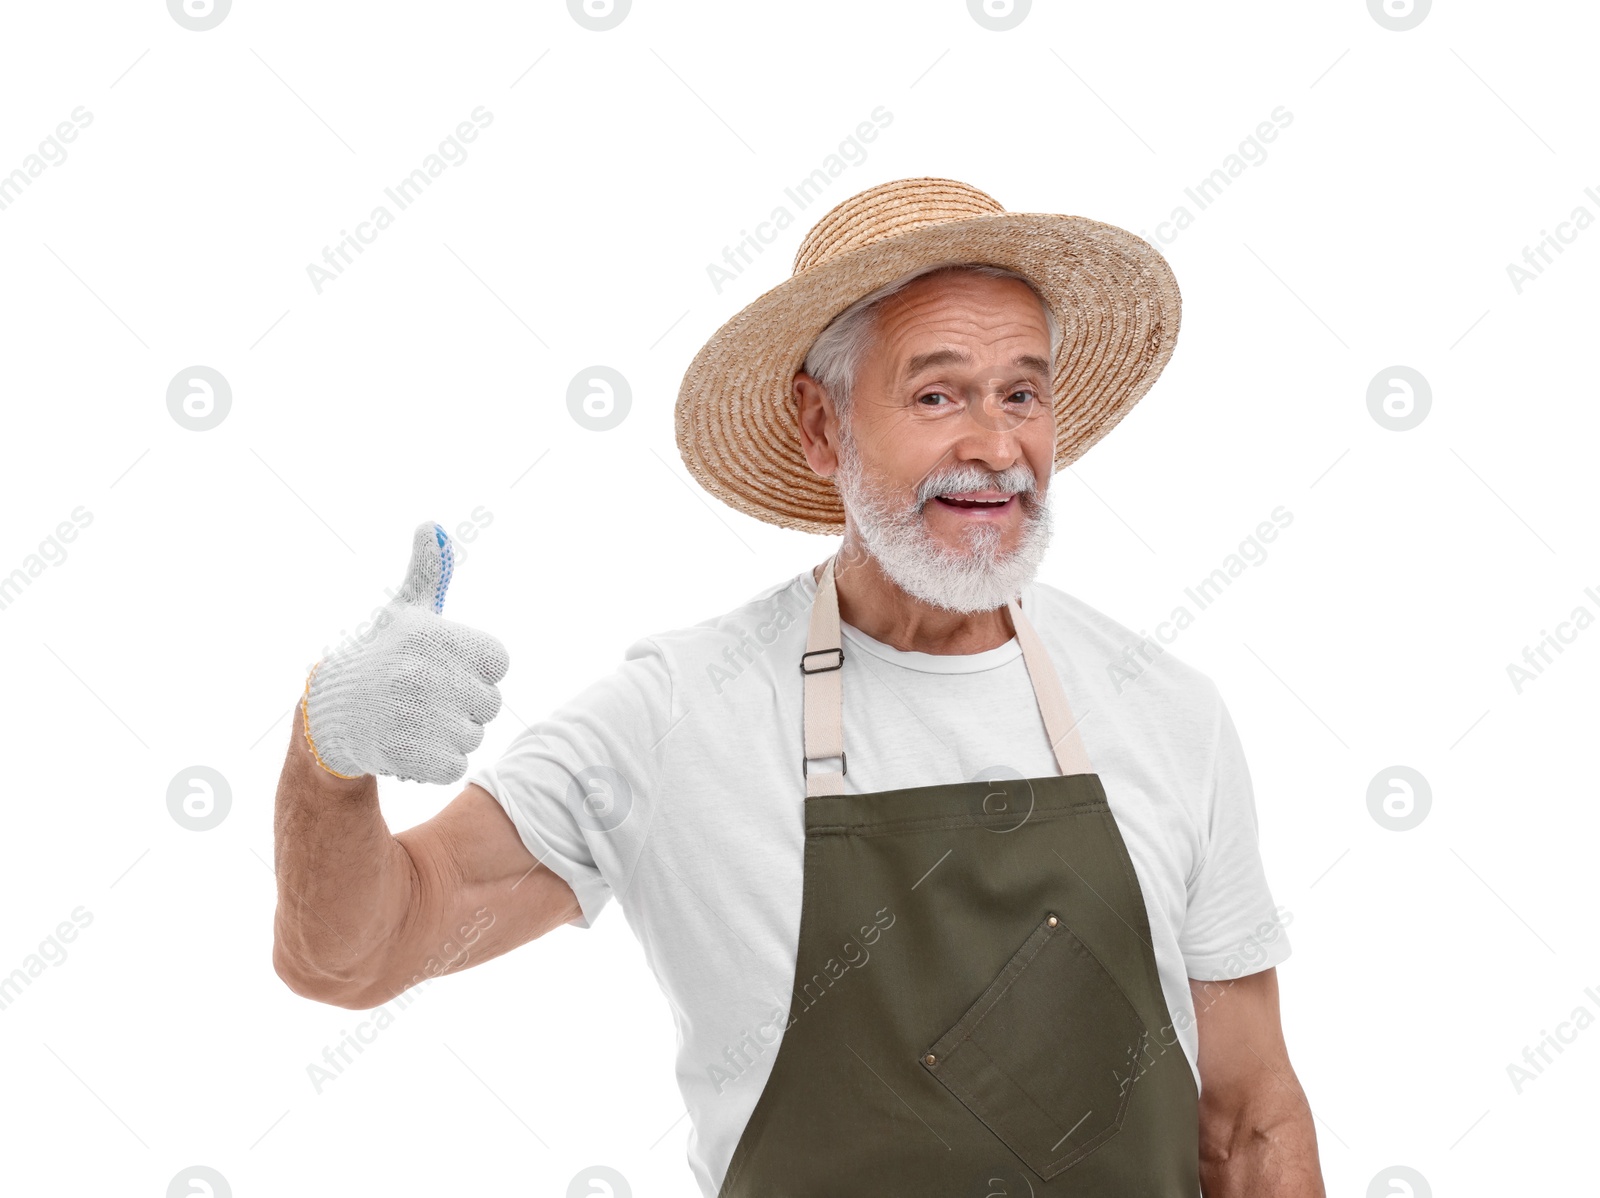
column 674, row 783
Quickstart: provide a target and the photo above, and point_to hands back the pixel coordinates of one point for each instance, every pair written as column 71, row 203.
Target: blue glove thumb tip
column 447, row 561
column 428, row 572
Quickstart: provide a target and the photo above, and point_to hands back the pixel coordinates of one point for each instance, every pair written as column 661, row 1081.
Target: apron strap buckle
column 805, row 669
column 844, row 766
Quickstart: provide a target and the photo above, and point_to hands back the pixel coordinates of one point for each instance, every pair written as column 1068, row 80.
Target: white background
column 431, row 378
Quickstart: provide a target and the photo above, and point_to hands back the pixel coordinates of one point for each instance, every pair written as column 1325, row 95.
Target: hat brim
column 736, row 417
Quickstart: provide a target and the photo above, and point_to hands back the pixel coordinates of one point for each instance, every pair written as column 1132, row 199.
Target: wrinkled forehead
column 961, row 320
column 999, row 360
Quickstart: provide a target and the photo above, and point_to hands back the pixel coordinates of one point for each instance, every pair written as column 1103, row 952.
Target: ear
column 819, row 424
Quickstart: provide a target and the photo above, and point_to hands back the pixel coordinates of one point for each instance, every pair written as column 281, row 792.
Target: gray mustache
column 1013, row 480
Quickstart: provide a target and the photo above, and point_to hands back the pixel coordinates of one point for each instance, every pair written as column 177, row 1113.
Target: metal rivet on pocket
column 1052, row 921
column 929, row 1059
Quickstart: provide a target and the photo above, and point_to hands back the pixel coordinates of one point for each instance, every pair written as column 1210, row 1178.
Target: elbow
column 320, row 986
column 294, row 975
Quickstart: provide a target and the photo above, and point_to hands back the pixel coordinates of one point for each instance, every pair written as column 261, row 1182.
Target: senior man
column 926, row 926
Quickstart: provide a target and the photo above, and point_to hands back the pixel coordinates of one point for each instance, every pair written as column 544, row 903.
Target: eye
column 932, row 395
column 1026, row 395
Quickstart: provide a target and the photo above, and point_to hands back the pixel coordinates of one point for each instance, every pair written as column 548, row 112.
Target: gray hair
column 835, row 357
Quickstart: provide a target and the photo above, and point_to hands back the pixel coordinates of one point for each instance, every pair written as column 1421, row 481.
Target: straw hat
column 1114, row 296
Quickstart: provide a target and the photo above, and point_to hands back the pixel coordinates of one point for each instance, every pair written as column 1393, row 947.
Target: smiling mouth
column 969, row 504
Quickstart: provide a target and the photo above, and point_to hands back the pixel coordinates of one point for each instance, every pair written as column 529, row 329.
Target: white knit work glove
column 411, row 696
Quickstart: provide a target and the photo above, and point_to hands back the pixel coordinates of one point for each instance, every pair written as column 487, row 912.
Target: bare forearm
column 1268, row 1150
column 344, row 883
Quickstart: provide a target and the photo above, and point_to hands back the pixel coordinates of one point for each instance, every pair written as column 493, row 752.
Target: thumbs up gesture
column 411, row 697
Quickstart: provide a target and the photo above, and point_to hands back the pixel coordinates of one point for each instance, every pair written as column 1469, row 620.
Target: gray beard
column 975, row 577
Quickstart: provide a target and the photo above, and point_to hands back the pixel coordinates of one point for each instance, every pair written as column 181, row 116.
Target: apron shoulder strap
column 823, row 700
column 1059, row 724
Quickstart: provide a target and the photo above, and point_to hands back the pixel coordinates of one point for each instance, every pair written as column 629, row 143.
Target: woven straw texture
column 1113, row 294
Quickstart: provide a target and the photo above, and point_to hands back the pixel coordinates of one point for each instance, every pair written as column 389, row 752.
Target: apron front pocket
column 1047, row 1055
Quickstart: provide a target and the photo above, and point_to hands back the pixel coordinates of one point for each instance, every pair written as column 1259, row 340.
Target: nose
column 992, row 434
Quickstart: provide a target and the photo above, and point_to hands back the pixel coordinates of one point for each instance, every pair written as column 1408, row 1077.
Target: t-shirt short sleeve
column 1231, row 926
column 571, row 781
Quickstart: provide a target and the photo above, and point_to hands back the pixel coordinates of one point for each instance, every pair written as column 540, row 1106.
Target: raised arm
column 363, row 914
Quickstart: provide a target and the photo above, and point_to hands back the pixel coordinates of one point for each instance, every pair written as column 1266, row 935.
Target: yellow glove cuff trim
column 305, row 721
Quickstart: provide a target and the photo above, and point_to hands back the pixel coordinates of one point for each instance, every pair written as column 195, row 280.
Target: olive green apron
column 975, row 990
